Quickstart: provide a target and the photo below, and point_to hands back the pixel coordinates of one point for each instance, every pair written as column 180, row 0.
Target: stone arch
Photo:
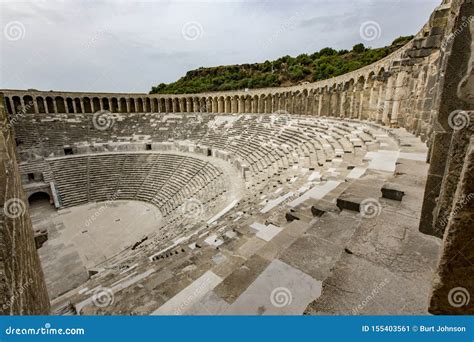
column 174, row 105
column 95, row 104
column 69, row 105
column 254, row 104
column 17, row 104
column 168, row 105
column 39, row 196
column 41, row 105
column 247, row 104
column 140, row 108
column 214, row 104
column 162, row 105
column 9, row 105
column 220, row 104
column 114, row 107
column 60, row 106
column 123, row 105
column 261, row 104
column 228, row 104
column 50, row 105
column 147, row 105
column 105, row 104
column 156, row 106
column 77, row 102
column 87, row 105
column 132, row 105
column 29, row 104
column 234, row 104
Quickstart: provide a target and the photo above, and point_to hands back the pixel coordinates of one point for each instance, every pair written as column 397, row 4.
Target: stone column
column 387, row 107
column 35, row 105
column 320, row 105
column 397, row 98
column 342, row 108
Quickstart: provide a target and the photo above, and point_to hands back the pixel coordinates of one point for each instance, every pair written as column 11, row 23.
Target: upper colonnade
column 398, row 90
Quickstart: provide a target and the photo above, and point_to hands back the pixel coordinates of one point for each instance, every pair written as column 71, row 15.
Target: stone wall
column 449, row 196
column 22, row 286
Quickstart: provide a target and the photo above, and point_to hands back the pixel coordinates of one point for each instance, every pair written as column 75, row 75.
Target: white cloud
column 131, row 45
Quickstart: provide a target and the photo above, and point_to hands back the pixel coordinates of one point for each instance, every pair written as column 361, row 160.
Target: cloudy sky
column 130, row 45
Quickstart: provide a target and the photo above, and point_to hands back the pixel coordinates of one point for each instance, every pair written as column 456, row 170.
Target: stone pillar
column 387, row 107
column 342, row 104
column 241, row 105
column 397, row 98
column 22, row 105
column 380, row 104
column 35, row 105
column 127, row 104
column 320, row 105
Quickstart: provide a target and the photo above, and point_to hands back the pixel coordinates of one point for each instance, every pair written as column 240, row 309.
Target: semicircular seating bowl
column 277, row 152
column 267, row 144
column 165, row 180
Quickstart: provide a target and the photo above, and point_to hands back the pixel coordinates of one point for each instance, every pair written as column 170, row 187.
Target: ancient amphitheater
column 352, row 195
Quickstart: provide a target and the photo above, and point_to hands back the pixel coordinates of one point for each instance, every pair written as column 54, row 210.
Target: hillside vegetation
column 284, row 71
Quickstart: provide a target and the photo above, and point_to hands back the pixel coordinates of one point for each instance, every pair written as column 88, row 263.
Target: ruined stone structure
column 411, row 108
column 22, row 291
